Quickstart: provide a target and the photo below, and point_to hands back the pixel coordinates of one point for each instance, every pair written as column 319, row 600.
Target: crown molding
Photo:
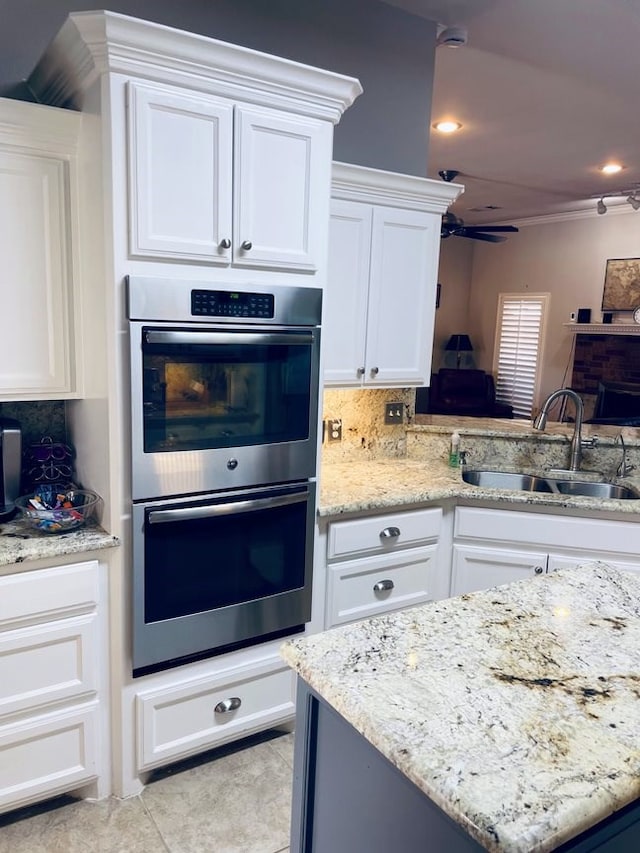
column 35, row 127
column 569, row 215
column 376, row 186
column 91, row 44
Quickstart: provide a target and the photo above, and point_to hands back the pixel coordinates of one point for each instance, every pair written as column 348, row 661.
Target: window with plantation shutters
column 518, row 349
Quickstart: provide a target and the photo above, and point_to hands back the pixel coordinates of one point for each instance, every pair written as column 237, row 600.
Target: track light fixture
column 632, row 196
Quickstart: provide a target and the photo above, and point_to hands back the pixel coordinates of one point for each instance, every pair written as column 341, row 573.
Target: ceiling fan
column 453, row 226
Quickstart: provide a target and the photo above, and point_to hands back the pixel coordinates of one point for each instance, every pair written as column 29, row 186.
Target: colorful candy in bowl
column 54, row 509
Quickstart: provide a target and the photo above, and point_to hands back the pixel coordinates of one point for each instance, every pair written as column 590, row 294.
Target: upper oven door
column 216, row 407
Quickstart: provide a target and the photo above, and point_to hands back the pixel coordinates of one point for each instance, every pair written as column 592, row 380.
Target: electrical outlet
column 393, row 413
column 334, row 429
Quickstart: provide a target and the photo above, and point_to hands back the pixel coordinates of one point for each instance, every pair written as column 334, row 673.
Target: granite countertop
column 19, row 543
column 514, row 709
column 370, row 485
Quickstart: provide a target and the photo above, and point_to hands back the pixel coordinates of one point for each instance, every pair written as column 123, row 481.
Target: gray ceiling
column 547, row 91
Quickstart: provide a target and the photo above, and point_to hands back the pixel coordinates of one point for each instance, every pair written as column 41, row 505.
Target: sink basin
column 594, row 490
column 506, row 480
column 533, row 483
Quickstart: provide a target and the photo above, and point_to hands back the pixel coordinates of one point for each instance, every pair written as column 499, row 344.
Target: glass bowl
column 58, row 510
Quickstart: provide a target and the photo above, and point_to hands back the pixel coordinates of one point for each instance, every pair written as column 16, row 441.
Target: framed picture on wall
column 621, row 284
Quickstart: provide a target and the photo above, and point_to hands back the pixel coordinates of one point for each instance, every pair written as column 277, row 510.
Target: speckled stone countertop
column 19, row 543
column 367, row 486
column 514, row 709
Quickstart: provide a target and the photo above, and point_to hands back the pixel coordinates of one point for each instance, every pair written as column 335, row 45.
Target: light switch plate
column 393, row 413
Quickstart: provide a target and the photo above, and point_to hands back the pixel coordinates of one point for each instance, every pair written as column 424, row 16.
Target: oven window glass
column 207, row 563
column 205, row 396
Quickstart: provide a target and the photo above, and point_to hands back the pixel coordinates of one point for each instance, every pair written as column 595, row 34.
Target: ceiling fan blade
column 511, row 229
column 478, row 235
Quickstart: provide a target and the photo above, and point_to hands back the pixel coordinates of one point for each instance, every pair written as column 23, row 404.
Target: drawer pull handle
column 383, row 586
column 539, row 570
column 390, row 533
column 231, row 704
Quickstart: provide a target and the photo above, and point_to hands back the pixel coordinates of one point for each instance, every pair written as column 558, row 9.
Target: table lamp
column 459, row 344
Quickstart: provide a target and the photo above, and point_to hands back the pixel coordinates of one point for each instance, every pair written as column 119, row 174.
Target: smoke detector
column 452, row 36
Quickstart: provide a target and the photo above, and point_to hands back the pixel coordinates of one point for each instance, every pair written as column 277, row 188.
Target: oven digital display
column 229, row 303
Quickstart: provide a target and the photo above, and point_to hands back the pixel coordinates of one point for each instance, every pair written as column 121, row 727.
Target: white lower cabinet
column 49, row 676
column 380, row 563
column 201, row 713
column 493, row 546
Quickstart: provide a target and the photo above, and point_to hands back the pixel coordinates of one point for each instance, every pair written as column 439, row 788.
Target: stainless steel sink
column 506, row 480
column 594, row 490
column 533, row 483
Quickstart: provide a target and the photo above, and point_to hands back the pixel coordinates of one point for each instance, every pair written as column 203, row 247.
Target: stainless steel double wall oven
column 224, row 410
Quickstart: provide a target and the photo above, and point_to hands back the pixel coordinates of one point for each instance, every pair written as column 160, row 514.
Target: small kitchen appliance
column 10, row 456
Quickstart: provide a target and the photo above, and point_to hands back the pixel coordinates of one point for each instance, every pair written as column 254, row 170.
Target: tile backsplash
column 364, row 432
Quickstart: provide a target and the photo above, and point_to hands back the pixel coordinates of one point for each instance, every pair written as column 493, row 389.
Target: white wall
column 564, row 258
column 454, row 276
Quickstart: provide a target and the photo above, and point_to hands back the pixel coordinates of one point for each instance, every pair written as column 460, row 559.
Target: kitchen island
column 505, row 720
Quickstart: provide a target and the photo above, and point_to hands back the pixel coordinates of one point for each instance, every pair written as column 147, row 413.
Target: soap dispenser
column 454, row 452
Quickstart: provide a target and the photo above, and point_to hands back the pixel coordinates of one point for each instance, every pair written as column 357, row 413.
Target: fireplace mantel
column 603, row 328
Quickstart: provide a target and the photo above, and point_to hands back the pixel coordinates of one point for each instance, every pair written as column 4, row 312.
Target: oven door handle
column 192, row 513
column 155, row 336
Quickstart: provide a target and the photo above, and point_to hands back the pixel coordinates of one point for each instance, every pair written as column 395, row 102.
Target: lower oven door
column 219, row 573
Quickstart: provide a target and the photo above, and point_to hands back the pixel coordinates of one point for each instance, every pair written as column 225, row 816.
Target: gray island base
column 506, row 720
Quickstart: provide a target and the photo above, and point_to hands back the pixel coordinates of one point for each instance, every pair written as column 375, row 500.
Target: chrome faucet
column 624, row 468
column 576, row 442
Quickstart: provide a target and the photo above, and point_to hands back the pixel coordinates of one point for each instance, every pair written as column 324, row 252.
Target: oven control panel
column 229, row 303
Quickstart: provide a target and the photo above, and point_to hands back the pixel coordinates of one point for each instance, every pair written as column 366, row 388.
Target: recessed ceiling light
column 447, row 126
column 611, row 168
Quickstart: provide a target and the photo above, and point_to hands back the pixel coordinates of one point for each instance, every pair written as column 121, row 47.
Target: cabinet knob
column 539, row 570
column 383, row 586
column 225, row 243
column 230, row 704
column 375, row 371
column 390, row 533
column 246, row 245
column 360, row 371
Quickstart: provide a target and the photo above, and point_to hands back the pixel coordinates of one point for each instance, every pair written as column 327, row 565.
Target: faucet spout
column 540, row 422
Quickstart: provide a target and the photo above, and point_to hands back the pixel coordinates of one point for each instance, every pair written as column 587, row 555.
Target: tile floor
column 235, row 799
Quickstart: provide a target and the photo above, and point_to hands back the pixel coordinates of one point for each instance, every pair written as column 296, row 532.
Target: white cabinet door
column 347, row 292
column 180, row 162
column 480, row 568
column 281, row 187
column 380, row 295
column 404, row 252
column 223, row 183
column 36, row 327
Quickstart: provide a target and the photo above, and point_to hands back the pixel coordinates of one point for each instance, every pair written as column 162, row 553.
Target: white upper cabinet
column 39, row 328
column 384, row 246
column 222, row 183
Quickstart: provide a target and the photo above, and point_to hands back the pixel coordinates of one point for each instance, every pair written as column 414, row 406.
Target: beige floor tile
column 284, row 747
column 110, row 826
column 239, row 802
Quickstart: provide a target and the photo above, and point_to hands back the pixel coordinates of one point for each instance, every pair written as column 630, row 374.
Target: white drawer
column 48, row 663
column 351, row 586
column 366, row 535
column 48, row 755
column 539, row 529
column 48, row 593
column 176, row 721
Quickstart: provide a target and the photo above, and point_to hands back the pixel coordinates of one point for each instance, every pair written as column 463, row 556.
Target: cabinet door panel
column 47, row 755
column 180, row 161
column 281, row 189
column 35, row 332
column 345, row 299
column 482, row 568
column 404, row 260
